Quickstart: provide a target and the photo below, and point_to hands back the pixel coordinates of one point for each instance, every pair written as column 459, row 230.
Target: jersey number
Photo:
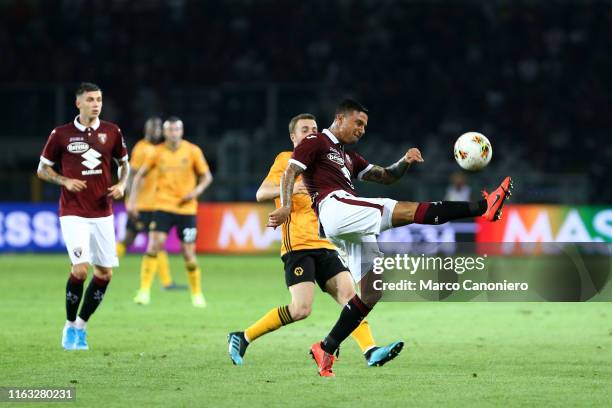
column 190, row 234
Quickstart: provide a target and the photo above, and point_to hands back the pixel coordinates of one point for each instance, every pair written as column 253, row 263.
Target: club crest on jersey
column 77, row 252
column 102, row 137
column 336, row 158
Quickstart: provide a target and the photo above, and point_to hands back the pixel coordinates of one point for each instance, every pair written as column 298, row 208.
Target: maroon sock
column 439, row 212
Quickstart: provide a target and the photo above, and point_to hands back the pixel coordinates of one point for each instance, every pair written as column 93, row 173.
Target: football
column 473, row 151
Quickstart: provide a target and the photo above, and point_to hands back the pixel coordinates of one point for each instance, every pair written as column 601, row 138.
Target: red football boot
column 496, row 199
column 324, row 360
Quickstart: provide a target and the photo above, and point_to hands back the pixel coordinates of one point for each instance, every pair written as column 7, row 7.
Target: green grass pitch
column 170, row 354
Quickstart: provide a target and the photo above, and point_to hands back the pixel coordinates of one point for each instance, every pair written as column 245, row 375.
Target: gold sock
column 163, row 266
column 120, row 249
column 194, row 276
column 363, row 336
column 271, row 321
column 147, row 272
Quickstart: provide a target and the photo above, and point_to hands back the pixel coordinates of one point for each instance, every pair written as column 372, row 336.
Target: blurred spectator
column 458, row 190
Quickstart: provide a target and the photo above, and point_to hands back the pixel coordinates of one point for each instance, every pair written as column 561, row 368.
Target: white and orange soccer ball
column 473, row 151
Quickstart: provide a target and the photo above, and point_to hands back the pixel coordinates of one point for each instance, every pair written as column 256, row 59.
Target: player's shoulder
column 143, row 145
column 314, row 139
column 283, row 157
column 106, row 125
column 63, row 129
column 192, row 146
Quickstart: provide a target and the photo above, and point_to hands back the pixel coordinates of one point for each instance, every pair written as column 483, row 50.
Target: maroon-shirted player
column 83, row 149
column 352, row 223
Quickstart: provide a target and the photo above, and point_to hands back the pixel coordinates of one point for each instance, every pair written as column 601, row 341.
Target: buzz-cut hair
column 87, row 87
column 294, row 120
column 350, row 105
column 173, row 119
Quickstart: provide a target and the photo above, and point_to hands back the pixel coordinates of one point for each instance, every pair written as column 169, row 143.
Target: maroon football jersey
column 85, row 153
column 327, row 166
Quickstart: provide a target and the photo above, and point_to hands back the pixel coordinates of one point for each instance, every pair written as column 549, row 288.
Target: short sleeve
column 199, row 162
column 51, row 153
column 139, row 155
column 120, row 149
column 306, row 152
column 360, row 165
column 277, row 169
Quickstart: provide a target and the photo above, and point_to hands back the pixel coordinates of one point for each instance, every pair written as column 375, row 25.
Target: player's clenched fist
column 278, row 216
column 75, row 185
column 413, row 155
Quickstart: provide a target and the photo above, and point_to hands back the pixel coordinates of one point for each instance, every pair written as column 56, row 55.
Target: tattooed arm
column 116, row 191
column 46, row 173
column 280, row 215
column 392, row 173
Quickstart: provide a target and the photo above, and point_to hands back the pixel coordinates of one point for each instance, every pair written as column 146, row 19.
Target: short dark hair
column 87, row 87
column 173, row 119
column 294, row 120
column 350, row 105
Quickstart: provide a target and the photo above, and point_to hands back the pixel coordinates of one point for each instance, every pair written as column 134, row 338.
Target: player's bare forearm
column 204, row 182
column 267, row 191
column 281, row 214
column 287, row 183
column 46, row 173
column 136, row 186
column 124, row 173
column 395, row 171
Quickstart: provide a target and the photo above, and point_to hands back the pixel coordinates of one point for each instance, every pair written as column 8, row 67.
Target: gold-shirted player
column 308, row 259
column 140, row 217
column 182, row 175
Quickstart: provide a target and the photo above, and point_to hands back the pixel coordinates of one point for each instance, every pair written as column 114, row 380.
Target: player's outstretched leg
column 440, row 212
column 92, row 299
column 74, row 294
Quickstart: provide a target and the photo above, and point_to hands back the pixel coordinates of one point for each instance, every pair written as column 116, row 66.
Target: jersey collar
column 331, row 136
column 82, row 128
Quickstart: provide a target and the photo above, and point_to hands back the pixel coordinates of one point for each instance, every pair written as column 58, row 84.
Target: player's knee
column 300, row 311
column 191, row 266
column 80, row 270
column 104, row 273
column 345, row 294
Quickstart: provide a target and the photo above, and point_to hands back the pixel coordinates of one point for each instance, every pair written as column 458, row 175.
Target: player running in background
column 308, row 259
column 83, row 149
column 352, row 223
column 140, row 217
column 182, row 175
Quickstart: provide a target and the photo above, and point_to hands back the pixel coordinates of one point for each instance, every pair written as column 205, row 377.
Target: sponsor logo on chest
column 335, row 156
column 90, row 155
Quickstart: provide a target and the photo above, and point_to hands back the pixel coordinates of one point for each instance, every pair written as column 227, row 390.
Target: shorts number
column 190, row 234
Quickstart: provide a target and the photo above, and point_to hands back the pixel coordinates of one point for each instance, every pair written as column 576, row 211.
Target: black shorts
column 186, row 226
column 312, row 265
column 140, row 223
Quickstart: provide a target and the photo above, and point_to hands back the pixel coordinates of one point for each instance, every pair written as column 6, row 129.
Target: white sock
column 69, row 324
column 80, row 323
